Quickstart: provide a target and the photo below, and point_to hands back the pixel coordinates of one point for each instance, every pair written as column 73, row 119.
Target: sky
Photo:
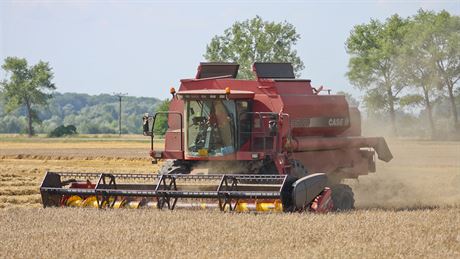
column 143, row 48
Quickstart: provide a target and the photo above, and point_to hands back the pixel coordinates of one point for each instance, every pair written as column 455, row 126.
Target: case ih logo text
column 338, row 122
column 320, row 122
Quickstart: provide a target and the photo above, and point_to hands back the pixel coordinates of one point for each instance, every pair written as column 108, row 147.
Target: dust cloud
column 423, row 174
column 220, row 167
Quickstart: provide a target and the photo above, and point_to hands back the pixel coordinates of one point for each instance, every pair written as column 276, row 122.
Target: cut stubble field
column 410, row 207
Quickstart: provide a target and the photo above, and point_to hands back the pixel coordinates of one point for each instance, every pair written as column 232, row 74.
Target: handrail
column 279, row 117
column 181, row 127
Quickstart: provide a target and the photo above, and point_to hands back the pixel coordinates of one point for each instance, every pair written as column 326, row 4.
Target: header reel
column 224, row 192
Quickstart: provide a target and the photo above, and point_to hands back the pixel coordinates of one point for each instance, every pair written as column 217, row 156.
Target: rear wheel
column 343, row 197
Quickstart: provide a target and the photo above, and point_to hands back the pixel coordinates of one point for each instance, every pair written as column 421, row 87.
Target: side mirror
column 145, row 125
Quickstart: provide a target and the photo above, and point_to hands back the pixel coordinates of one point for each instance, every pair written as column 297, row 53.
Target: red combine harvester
column 270, row 144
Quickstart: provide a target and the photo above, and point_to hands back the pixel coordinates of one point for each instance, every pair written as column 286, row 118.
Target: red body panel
column 319, row 130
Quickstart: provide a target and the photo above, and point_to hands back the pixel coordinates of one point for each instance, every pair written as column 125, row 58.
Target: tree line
column 90, row 114
column 402, row 63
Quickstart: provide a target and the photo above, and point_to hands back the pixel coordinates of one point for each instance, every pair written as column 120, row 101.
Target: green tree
column 161, row 124
column 255, row 40
column 27, row 86
column 441, row 36
column 373, row 66
column 418, row 63
column 374, row 102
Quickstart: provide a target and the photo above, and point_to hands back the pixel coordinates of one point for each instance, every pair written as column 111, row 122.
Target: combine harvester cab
column 274, row 144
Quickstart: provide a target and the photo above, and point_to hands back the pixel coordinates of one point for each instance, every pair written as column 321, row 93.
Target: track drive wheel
column 343, row 197
column 298, row 170
column 173, row 166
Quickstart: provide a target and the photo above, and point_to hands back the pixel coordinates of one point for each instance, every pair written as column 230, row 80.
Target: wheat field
column 50, row 233
column 409, row 208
